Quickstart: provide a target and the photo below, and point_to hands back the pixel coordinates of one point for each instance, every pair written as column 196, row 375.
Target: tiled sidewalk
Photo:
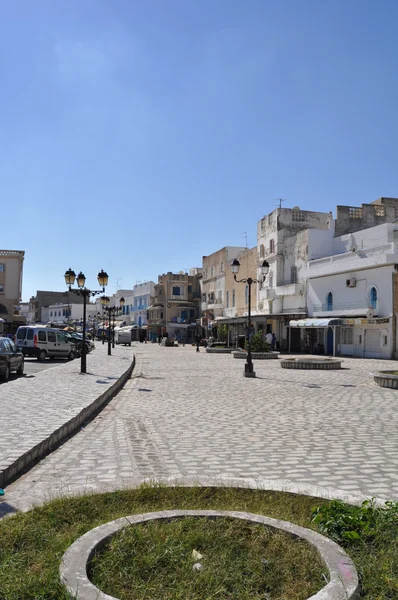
column 194, row 417
column 37, row 411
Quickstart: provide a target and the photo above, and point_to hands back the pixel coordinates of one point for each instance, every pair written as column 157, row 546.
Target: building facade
column 175, row 306
column 11, row 271
column 45, row 298
column 283, row 240
column 350, row 295
column 137, row 303
column 63, row 313
column 216, row 273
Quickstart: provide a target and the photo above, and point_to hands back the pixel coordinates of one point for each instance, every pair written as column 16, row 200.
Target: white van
column 44, row 342
column 123, row 336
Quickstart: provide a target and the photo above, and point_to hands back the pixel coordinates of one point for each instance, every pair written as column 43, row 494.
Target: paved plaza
column 193, row 415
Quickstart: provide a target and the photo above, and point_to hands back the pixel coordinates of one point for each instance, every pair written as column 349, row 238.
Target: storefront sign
column 365, row 321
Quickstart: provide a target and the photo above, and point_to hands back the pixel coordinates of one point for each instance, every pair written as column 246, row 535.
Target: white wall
column 380, row 277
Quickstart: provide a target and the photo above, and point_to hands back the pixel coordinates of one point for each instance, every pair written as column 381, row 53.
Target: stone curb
column 324, row 366
column 343, row 584
column 386, row 380
column 59, row 435
column 257, row 355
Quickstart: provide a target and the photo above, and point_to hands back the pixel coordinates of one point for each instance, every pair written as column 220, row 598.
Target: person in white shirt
column 268, row 338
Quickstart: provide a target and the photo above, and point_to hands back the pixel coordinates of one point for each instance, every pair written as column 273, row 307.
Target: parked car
column 77, row 339
column 123, row 336
column 11, row 359
column 43, row 342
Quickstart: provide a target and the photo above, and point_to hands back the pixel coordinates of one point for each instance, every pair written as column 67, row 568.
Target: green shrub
column 222, row 332
column 258, row 344
column 350, row 525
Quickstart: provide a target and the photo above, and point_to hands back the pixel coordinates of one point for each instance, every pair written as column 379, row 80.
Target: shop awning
column 315, row 323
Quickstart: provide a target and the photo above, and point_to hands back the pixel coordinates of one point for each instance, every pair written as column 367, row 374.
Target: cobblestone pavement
column 188, row 414
column 35, row 406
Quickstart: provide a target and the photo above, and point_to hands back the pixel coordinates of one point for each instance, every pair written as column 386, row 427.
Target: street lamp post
column 70, row 277
column 235, row 266
column 112, row 312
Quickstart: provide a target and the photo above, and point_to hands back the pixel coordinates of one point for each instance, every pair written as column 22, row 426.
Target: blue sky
column 139, row 136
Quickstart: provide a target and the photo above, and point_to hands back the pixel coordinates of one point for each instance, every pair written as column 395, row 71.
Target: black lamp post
column 112, row 312
column 70, row 277
column 235, row 266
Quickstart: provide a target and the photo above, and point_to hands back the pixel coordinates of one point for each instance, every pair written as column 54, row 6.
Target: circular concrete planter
column 387, row 379
column 73, row 571
column 257, row 355
column 326, row 364
column 219, row 350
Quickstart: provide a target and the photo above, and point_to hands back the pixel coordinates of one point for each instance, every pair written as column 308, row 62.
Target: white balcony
column 289, row 289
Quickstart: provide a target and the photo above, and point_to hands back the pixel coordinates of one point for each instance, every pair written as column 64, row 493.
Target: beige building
column 175, row 306
column 236, row 305
column 215, row 272
column 11, row 268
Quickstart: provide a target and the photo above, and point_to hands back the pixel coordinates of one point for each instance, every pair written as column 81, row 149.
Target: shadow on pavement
column 6, row 509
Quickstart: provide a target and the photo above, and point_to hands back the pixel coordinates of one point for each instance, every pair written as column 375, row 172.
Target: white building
column 283, row 240
column 349, row 294
column 62, row 313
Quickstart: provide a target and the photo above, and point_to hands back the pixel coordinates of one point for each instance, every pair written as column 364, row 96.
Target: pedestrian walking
column 197, row 341
column 273, row 342
column 268, row 338
column 160, row 339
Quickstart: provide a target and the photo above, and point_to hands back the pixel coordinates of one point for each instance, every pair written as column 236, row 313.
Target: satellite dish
column 370, row 313
column 178, row 319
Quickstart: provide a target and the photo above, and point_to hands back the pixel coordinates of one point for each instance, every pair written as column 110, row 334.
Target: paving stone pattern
column 189, row 414
column 35, row 406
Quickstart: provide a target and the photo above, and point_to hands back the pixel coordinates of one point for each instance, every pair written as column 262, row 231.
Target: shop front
column 314, row 336
column 363, row 338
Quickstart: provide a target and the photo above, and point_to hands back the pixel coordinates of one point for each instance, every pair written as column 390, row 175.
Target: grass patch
column 32, row 544
column 154, row 561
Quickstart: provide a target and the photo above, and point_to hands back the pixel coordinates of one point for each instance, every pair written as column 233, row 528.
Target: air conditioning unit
column 352, row 282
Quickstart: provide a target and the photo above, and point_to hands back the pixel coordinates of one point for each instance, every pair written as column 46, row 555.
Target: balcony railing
column 290, row 281
column 335, row 306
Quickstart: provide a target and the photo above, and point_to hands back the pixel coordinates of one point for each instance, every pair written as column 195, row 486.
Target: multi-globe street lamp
column 81, row 290
column 112, row 312
column 264, row 267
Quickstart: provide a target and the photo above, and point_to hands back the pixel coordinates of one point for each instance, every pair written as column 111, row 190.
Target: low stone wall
column 387, row 380
column 325, row 365
column 218, row 350
column 257, row 355
column 343, row 578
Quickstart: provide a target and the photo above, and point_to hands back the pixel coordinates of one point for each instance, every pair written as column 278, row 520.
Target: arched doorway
column 329, row 341
column 3, row 310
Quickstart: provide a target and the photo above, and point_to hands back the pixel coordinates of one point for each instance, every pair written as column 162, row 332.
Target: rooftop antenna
column 117, row 283
column 245, row 236
column 280, row 200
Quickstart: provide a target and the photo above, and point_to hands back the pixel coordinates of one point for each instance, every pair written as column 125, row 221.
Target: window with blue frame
column 192, row 313
column 176, row 291
column 189, row 289
column 184, row 314
column 373, row 298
